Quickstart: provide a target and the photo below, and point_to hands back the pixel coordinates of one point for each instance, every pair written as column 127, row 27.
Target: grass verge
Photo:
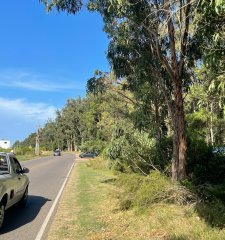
column 90, row 209
column 26, row 157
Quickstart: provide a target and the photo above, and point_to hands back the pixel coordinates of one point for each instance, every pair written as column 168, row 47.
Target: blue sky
column 45, row 58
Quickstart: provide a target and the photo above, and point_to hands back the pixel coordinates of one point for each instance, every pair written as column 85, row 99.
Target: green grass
column 90, row 210
column 26, row 157
column 30, row 156
column 88, row 199
column 80, row 206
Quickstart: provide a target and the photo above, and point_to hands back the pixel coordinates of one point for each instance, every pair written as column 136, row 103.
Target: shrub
column 212, row 212
column 97, row 163
column 203, row 166
column 5, row 150
column 93, row 146
column 134, row 151
column 24, row 150
column 142, row 192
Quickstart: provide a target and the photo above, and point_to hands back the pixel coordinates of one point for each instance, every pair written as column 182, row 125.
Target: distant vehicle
column 57, row 152
column 88, row 155
column 13, row 183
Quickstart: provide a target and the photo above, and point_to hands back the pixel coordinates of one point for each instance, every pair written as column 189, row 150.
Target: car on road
column 88, row 155
column 57, row 152
column 13, row 183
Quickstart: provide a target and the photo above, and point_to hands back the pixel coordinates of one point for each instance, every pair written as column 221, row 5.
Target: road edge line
column 46, row 221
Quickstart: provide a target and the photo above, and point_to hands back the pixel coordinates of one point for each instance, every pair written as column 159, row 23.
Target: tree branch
column 183, row 46
column 160, row 56
column 171, row 33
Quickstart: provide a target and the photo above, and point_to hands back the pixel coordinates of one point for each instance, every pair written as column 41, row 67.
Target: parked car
column 88, row 155
column 13, row 183
column 57, row 152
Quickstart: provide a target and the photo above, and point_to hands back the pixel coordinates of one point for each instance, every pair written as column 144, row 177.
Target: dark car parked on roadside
column 88, row 155
column 57, row 152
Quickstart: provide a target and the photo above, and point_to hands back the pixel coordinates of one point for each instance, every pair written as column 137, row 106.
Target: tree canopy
column 165, row 91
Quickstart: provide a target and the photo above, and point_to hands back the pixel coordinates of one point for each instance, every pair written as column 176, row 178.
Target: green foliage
column 127, row 117
column 23, row 150
column 96, row 84
column 133, row 150
column 208, row 39
column 212, row 212
column 142, row 192
column 203, row 165
column 205, row 109
column 98, row 163
column 197, row 124
column 93, row 146
column 4, row 150
column 70, row 6
column 27, row 142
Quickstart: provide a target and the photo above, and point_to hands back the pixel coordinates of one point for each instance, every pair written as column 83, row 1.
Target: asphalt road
column 47, row 176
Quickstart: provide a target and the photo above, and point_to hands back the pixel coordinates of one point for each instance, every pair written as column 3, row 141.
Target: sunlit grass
column 90, row 209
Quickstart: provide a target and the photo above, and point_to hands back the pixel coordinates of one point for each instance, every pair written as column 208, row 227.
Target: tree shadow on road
column 17, row 216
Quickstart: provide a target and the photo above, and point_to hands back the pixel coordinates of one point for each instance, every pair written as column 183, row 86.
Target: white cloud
column 31, row 81
column 32, row 112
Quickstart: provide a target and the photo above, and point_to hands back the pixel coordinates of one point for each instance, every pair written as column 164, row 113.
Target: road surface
column 47, row 176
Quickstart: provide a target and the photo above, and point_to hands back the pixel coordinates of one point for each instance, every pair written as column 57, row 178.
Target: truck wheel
column 23, row 201
column 2, row 214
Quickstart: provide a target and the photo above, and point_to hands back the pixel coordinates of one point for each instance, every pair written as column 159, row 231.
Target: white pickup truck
column 13, row 183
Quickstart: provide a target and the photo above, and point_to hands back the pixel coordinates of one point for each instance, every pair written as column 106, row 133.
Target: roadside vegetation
column 98, row 204
column 157, row 118
column 25, row 153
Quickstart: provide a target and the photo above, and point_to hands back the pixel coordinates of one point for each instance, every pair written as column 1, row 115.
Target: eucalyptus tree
column 141, row 101
column 205, row 109
column 48, row 136
column 208, row 45
column 154, row 33
column 28, row 141
column 71, row 6
column 60, row 134
column 149, row 40
column 163, row 28
column 70, row 123
column 208, row 39
column 112, row 102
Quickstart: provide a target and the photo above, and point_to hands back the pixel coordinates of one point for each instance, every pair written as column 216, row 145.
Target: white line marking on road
column 45, row 223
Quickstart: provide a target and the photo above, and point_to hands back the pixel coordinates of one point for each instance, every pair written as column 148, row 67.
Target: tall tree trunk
column 211, row 124
column 157, row 122
column 208, row 137
column 68, row 144
column 75, row 145
column 179, row 138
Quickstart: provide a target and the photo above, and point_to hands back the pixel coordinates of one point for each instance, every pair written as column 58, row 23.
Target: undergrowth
column 143, row 191
column 90, row 210
column 140, row 193
column 97, row 163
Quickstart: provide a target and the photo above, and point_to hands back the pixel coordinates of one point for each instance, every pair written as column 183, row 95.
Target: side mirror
column 25, row 170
